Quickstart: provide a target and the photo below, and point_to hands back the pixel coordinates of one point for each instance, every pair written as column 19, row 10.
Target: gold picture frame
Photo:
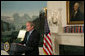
column 79, row 18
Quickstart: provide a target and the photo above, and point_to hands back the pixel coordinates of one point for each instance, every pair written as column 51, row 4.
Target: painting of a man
column 76, row 14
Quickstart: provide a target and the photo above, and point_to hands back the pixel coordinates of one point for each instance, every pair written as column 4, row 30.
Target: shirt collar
column 31, row 31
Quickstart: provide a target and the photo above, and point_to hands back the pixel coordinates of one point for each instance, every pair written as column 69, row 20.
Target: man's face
column 76, row 6
column 28, row 26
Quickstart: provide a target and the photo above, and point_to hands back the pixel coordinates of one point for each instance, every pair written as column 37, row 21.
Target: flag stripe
column 49, row 33
column 47, row 39
column 50, row 38
column 47, row 43
column 48, row 48
column 45, row 51
column 49, row 51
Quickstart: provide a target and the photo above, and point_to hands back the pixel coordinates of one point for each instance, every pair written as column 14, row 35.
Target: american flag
column 47, row 44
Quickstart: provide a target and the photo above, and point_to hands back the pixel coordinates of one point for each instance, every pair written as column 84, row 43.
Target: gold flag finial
column 45, row 9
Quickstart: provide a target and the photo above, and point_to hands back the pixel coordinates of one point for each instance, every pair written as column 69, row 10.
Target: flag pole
column 45, row 9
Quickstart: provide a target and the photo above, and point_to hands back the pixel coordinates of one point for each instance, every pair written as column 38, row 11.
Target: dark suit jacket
column 32, row 43
column 78, row 17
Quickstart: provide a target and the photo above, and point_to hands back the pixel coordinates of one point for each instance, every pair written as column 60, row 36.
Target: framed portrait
column 75, row 12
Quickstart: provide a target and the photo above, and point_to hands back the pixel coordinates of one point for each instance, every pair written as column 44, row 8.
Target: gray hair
column 77, row 4
column 32, row 24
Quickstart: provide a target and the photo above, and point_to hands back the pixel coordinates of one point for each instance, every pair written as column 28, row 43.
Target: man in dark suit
column 76, row 14
column 31, row 40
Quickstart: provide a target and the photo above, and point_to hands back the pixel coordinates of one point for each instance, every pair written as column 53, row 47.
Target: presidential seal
column 6, row 46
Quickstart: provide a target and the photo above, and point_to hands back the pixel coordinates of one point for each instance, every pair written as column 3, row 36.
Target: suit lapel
column 26, row 36
column 30, row 37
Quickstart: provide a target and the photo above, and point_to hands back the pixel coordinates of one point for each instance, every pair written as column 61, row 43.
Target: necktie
column 28, row 37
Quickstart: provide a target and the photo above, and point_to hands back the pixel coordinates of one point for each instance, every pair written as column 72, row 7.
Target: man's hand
column 20, row 44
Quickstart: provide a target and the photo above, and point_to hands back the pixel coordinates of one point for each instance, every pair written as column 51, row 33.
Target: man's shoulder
column 35, row 31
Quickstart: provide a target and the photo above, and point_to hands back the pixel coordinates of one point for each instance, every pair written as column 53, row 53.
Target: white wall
column 55, row 7
column 59, row 10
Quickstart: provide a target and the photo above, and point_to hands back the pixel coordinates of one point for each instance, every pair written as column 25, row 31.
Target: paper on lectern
column 21, row 34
